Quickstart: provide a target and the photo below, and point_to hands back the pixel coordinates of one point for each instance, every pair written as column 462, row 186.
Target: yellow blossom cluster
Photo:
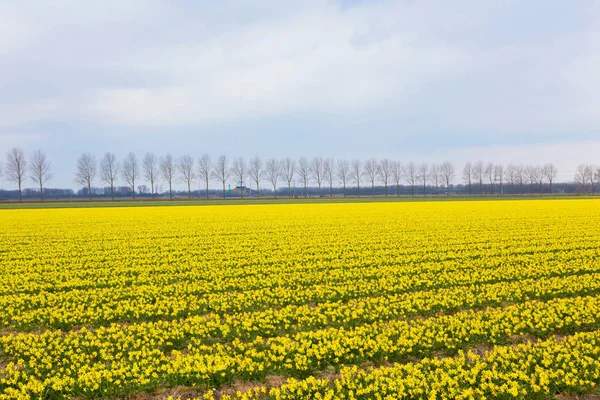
column 394, row 298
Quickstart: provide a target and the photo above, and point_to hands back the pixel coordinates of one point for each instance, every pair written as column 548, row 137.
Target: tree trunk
column 90, row 190
column 386, row 190
column 372, row 189
column 275, row 191
column 207, row 189
column 133, row 191
column 289, row 190
column 41, row 193
column 257, row 191
column 170, row 191
column 20, row 193
column 189, row 191
column 330, row 190
column 358, row 188
column 112, row 192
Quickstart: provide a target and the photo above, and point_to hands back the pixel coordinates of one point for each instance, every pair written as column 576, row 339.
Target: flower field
column 433, row 300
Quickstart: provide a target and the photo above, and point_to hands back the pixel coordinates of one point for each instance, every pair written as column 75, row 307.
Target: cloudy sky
column 504, row 81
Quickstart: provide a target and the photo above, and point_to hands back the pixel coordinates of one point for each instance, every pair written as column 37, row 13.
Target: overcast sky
column 411, row 80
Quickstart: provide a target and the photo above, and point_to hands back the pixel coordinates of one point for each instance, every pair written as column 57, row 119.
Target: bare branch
column 317, row 170
column 149, row 168
column 255, row 172
column 288, row 169
column 186, row 169
column 109, row 171
column 130, row 171
column 86, row 171
column 167, row 170
column 239, row 170
column 343, row 173
column 40, row 170
column 204, row 169
column 16, row 167
column 304, row 172
column 370, row 170
column 220, row 171
column 273, row 172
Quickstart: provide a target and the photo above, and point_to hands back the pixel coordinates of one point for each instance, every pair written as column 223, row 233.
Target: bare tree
column 204, row 168
column 520, row 175
column 478, row 174
column 489, row 173
column 356, row 173
column 531, row 174
column 435, row 176
column 550, row 173
column 592, row 176
column 540, row 177
column 343, row 173
column 371, row 169
column 304, row 173
column 317, row 171
column 109, row 171
column 410, row 175
column 329, row 173
column 273, row 172
column 149, row 167
column 467, row 174
column 385, row 172
column 422, row 175
column 239, row 170
column 221, row 171
column 585, row 173
column 255, row 172
column 40, row 170
column 581, row 176
column 448, row 174
column 16, row 167
column 397, row 174
column 187, row 172
column 499, row 177
column 167, row 170
column 130, row 171
column 288, row 169
column 511, row 177
column 86, row 172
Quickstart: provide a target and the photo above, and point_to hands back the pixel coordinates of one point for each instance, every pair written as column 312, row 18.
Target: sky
column 424, row 81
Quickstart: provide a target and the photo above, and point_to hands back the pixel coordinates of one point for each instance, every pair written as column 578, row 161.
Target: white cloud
column 309, row 62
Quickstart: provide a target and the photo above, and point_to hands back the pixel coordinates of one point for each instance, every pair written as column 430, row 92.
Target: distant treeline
column 154, row 177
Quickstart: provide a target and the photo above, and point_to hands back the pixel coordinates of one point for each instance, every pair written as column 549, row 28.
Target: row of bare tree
column 477, row 174
column 318, row 170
